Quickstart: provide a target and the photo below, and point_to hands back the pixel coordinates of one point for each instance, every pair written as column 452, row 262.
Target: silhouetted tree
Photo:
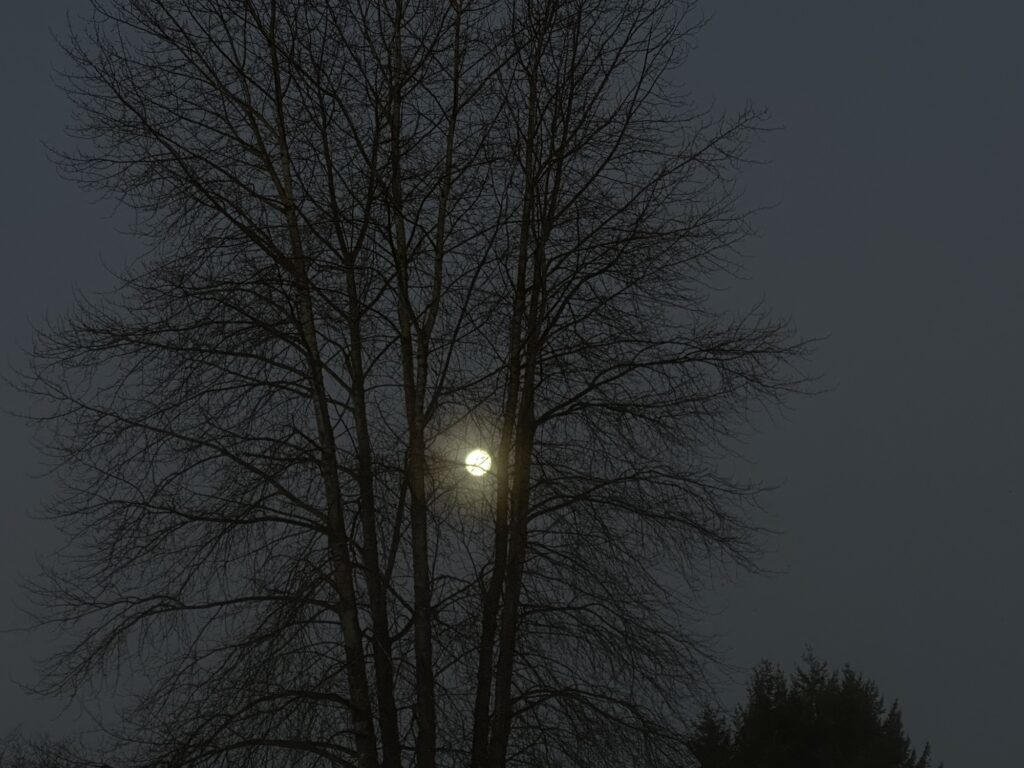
column 816, row 719
column 711, row 740
column 382, row 234
column 18, row 750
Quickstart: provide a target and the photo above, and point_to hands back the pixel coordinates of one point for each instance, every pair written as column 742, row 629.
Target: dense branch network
column 382, row 234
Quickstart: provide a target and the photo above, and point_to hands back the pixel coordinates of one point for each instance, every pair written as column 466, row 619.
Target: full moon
column 478, row 462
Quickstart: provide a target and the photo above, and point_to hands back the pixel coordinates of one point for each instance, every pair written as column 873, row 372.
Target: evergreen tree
column 711, row 741
column 815, row 719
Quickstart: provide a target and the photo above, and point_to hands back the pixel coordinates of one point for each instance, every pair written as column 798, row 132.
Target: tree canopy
column 375, row 236
column 814, row 719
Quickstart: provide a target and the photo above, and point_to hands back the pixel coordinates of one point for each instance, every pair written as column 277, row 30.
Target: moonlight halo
column 478, row 462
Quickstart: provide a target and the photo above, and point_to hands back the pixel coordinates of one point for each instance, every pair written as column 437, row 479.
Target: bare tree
column 381, row 234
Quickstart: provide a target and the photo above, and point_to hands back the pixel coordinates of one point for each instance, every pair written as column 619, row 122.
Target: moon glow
column 478, row 462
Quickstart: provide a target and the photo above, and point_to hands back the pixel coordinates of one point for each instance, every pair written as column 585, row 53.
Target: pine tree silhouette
column 815, row 719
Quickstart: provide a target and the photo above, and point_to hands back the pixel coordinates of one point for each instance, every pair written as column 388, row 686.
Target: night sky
column 899, row 184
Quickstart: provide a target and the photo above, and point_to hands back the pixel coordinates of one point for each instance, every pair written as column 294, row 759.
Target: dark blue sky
column 900, row 178
column 899, row 174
